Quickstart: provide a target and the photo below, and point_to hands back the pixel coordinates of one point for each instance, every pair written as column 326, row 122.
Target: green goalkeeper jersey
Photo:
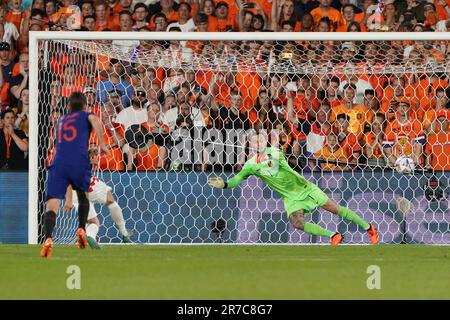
column 296, row 192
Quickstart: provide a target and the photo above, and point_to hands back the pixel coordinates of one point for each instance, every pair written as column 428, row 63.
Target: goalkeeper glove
column 217, row 182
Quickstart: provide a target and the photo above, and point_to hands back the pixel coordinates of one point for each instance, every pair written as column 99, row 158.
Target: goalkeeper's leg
column 297, row 219
column 117, row 216
column 350, row 215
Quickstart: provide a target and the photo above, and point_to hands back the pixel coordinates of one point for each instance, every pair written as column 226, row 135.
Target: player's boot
column 126, row 238
column 336, row 239
column 47, row 248
column 93, row 243
column 82, row 241
column 373, row 235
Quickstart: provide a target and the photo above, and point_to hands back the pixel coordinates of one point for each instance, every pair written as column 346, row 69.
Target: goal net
column 363, row 116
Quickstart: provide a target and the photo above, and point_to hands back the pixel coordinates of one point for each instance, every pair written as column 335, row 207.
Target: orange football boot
column 82, row 241
column 336, row 239
column 373, row 235
column 47, row 248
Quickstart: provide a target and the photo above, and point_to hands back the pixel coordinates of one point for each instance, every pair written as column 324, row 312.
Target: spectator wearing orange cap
column 404, row 136
column 438, row 142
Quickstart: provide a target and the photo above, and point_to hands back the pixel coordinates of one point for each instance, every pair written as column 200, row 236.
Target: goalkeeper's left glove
column 217, row 182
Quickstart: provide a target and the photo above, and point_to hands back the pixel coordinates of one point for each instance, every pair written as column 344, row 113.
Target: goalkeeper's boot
column 373, row 235
column 126, row 237
column 47, row 248
column 336, row 239
column 82, row 241
column 93, row 243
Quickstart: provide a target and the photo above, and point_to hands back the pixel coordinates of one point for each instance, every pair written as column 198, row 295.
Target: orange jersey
column 112, row 24
column 425, row 90
column 335, row 16
column 216, row 25
column 15, row 18
column 344, row 27
column 402, row 137
column 248, row 84
column 149, row 160
column 337, row 155
column 438, row 148
column 440, row 9
column 370, row 140
column 359, row 115
column 114, row 160
column 350, row 145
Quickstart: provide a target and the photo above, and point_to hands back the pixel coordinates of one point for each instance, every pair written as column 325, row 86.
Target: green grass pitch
column 226, row 272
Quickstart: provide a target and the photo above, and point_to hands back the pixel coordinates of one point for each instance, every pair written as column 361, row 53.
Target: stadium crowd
column 364, row 102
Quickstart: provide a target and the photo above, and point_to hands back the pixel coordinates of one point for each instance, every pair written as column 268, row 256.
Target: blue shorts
column 61, row 176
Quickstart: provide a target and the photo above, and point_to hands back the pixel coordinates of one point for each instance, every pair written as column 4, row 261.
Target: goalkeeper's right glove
column 217, row 182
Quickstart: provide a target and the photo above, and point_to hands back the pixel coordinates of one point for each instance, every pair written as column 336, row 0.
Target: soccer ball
column 404, row 165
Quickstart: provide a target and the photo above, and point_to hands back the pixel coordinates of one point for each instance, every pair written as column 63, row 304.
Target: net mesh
column 176, row 113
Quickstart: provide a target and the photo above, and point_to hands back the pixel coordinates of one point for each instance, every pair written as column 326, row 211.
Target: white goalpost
column 190, row 82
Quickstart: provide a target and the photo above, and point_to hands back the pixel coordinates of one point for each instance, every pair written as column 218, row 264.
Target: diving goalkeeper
column 300, row 197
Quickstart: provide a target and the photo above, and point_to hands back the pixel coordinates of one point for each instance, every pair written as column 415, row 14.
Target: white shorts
column 98, row 193
column 92, row 212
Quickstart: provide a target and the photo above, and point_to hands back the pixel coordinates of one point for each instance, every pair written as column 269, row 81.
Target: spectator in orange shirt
column 68, row 79
column 358, row 114
column 15, row 15
column 167, row 8
column 113, row 135
column 403, row 136
column 440, row 101
column 114, row 7
column 222, row 22
column 325, row 10
column 438, row 142
column 371, row 101
column 373, row 141
column 348, row 14
column 102, row 20
column 334, row 152
column 347, row 140
column 155, row 156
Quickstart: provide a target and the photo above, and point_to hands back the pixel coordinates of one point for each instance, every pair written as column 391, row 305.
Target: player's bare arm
column 69, row 201
column 21, row 143
column 97, row 126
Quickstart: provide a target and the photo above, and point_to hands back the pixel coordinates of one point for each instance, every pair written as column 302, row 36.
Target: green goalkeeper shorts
column 315, row 199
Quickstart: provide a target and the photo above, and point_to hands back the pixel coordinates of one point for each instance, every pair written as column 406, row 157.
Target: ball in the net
column 404, row 165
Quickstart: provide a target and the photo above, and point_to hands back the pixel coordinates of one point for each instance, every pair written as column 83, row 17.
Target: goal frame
column 35, row 36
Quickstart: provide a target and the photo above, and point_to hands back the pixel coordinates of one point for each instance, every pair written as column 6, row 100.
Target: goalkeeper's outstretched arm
column 218, row 182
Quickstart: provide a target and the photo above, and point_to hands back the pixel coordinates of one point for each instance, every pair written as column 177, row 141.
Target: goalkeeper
column 300, row 197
